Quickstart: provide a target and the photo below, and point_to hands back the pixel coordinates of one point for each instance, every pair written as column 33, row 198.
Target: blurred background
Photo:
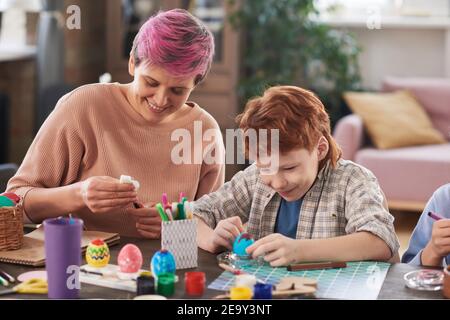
column 48, row 48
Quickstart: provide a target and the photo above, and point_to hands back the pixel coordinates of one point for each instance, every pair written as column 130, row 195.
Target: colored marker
column 5, row 275
column 71, row 221
column 165, row 201
column 175, row 212
column 169, row 214
column 181, row 215
column 187, row 209
column 435, row 216
column 3, row 282
column 161, row 212
column 180, row 198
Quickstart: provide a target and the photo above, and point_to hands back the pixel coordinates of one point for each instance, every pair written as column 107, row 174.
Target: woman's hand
column 439, row 245
column 148, row 221
column 277, row 249
column 225, row 233
column 105, row 194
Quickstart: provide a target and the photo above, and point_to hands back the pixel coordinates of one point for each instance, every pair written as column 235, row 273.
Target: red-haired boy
column 314, row 207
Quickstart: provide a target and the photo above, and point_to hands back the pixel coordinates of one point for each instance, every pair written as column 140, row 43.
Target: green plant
column 284, row 44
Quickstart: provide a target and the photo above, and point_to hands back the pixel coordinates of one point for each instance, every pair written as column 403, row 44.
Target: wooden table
column 393, row 287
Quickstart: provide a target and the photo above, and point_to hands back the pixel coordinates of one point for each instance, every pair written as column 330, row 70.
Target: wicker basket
column 11, row 228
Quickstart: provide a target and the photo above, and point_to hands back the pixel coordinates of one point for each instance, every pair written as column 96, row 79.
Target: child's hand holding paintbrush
column 439, row 245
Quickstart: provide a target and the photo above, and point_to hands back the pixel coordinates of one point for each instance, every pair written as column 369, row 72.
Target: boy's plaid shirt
column 341, row 201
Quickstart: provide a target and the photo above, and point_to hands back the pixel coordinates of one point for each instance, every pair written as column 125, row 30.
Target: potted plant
column 283, row 43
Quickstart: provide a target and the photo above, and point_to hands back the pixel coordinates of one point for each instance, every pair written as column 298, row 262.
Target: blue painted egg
column 162, row 262
column 241, row 243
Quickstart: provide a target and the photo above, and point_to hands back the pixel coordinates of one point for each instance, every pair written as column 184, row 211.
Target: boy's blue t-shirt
column 287, row 218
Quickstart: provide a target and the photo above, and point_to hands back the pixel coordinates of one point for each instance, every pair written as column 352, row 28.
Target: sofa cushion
column 432, row 93
column 393, row 119
column 408, row 174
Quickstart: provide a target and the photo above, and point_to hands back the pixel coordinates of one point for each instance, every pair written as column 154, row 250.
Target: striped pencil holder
column 11, row 227
column 179, row 237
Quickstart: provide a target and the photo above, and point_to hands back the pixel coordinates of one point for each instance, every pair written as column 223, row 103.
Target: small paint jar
column 145, row 285
column 166, row 284
column 194, row 282
column 240, row 293
column 262, row 291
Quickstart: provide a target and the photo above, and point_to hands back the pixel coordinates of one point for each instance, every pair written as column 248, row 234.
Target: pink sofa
column 408, row 176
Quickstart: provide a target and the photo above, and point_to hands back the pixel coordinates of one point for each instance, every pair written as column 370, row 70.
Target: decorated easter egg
column 97, row 254
column 6, row 202
column 162, row 262
column 241, row 243
column 130, row 259
column 12, row 196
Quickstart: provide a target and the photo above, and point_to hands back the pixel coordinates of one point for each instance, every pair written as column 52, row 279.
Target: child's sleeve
column 364, row 209
column 423, row 230
column 234, row 198
column 419, row 239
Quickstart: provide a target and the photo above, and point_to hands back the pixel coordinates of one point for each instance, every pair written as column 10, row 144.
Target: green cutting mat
column 359, row 280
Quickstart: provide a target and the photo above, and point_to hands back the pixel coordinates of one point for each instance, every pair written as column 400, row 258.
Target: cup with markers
column 179, row 231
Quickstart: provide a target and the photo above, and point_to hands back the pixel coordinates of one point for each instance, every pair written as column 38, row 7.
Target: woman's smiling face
column 156, row 94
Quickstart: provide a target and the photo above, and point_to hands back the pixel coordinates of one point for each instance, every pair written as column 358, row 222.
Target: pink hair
column 176, row 41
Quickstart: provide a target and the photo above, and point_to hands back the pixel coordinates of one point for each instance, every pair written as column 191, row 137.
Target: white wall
column 401, row 52
column 409, row 38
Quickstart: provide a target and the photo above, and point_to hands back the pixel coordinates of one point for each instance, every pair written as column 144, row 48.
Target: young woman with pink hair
column 99, row 132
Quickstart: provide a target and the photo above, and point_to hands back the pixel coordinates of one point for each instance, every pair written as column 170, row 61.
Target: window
column 212, row 13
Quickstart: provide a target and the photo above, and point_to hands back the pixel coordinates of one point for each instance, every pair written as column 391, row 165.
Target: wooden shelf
column 14, row 53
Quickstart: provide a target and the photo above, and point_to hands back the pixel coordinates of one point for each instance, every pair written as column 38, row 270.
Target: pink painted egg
column 130, row 259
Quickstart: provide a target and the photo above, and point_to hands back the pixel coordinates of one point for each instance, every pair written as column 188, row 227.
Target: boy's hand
column 148, row 221
column 226, row 231
column 439, row 245
column 106, row 194
column 277, row 249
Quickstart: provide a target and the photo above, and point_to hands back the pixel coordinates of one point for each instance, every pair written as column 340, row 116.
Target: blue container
column 262, row 291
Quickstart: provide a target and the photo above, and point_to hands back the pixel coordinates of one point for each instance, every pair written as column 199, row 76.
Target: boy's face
column 297, row 171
